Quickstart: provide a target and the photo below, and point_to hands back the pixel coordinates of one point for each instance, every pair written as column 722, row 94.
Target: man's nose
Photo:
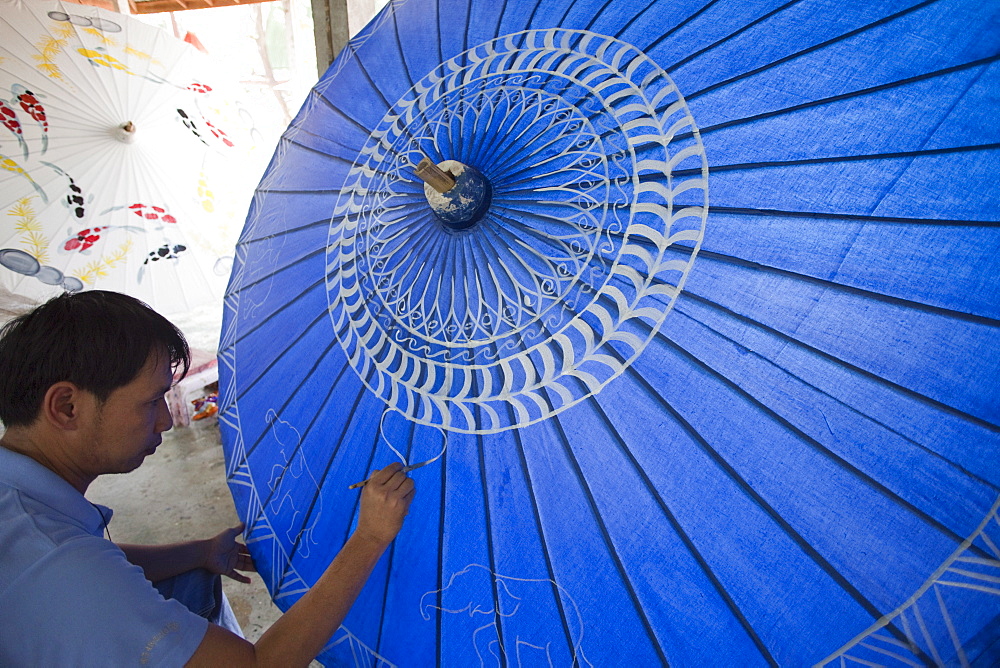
column 164, row 420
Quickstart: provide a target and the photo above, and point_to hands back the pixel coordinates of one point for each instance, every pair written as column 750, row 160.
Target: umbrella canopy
column 702, row 342
column 123, row 167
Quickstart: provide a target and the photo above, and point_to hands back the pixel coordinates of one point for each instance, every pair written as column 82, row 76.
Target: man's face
column 126, row 428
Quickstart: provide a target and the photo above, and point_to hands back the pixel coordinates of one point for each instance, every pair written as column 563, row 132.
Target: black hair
column 97, row 340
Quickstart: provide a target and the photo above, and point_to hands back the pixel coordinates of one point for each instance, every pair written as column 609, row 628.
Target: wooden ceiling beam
column 159, row 6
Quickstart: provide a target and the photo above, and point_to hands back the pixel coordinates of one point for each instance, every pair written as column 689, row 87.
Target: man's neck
column 25, row 442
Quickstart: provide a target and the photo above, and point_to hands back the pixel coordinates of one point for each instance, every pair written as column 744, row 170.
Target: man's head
column 99, row 341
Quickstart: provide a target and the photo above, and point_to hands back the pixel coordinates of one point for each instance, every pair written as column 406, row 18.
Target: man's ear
column 62, row 405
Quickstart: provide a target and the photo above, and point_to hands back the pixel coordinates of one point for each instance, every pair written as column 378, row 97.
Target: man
column 82, row 384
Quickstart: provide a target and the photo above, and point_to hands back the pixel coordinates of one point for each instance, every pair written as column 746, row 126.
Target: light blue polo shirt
column 68, row 597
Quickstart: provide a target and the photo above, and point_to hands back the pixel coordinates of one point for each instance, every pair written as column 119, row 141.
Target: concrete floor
column 178, row 494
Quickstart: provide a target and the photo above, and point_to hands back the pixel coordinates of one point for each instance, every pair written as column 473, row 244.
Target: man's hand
column 224, row 555
column 385, row 501
column 299, row 634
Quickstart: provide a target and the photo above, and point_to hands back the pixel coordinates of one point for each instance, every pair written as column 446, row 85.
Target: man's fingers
column 398, row 479
column 382, row 476
column 239, row 577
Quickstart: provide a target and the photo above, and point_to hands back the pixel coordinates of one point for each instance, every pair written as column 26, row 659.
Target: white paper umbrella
column 123, row 167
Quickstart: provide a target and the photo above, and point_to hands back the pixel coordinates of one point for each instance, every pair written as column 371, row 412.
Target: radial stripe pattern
column 711, row 381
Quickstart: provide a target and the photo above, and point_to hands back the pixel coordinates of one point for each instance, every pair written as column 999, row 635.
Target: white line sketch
column 292, row 479
column 940, row 642
column 362, row 655
column 479, row 350
column 470, row 591
column 283, row 577
column 406, row 463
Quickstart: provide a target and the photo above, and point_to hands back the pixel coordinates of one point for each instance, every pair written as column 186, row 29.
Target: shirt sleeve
column 84, row 604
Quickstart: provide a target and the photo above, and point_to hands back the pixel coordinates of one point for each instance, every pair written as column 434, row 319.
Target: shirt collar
column 31, row 478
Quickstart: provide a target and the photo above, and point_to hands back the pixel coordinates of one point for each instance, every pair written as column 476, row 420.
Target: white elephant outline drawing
column 293, row 467
column 485, row 638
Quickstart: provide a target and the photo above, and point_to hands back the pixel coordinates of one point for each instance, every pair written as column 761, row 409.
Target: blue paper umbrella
column 701, row 345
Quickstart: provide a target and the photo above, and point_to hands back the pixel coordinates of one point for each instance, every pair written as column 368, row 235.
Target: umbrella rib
column 465, row 33
column 504, row 156
column 98, row 86
column 937, row 405
column 684, row 22
column 319, row 152
column 389, row 560
column 916, row 396
column 814, row 554
column 651, row 488
column 812, row 442
column 594, row 513
column 347, row 117
column 503, row 12
column 839, row 98
column 815, row 47
column 531, row 17
column 265, row 501
column 367, row 133
column 547, row 240
column 598, row 13
column 440, row 59
column 681, row 533
column 835, row 159
column 876, row 296
column 285, row 231
column 371, row 83
column 247, row 387
column 268, row 191
column 550, row 571
column 951, row 410
column 289, row 138
column 509, row 168
column 291, row 301
column 442, row 515
column 406, row 71
column 562, row 19
column 507, row 206
column 388, row 106
column 757, row 21
column 308, row 514
column 606, row 536
column 830, row 215
column 308, row 289
column 488, row 522
column 802, row 346
column 503, row 234
column 748, row 490
column 816, row 445
column 485, row 142
column 326, row 471
column 246, row 286
column 488, row 251
column 820, row 448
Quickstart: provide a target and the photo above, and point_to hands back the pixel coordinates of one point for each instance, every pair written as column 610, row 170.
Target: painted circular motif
column 587, row 145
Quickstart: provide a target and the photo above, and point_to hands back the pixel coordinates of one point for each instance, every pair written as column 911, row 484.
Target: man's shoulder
column 60, row 582
column 33, row 535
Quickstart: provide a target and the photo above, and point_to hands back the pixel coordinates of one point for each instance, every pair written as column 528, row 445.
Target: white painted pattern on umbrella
column 454, row 343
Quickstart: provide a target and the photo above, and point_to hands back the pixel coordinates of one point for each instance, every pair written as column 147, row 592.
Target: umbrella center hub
column 465, row 203
column 125, row 132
